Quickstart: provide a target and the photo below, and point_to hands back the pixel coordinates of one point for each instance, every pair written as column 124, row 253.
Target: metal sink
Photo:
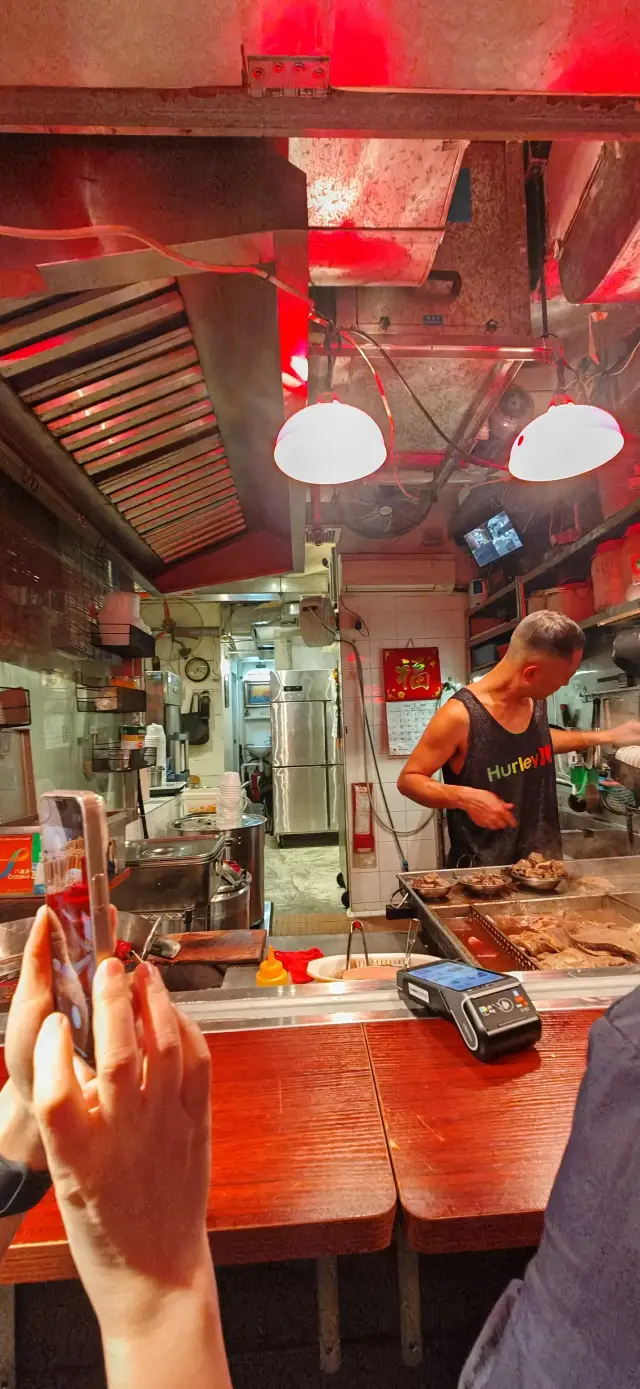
column 593, row 836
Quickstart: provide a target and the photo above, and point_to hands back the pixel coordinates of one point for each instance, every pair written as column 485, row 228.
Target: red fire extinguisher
column 363, row 838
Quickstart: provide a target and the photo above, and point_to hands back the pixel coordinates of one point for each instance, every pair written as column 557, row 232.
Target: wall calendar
column 406, row 724
column 412, row 688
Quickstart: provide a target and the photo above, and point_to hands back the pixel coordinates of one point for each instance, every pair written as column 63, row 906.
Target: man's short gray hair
column 548, row 634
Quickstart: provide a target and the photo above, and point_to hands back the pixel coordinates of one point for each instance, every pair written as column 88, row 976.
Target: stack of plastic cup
column 231, row 801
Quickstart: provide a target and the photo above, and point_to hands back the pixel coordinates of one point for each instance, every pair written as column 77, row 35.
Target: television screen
column 498, row 537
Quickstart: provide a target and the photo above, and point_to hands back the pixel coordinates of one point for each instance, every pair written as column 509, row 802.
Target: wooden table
column 300, row 1162
column 475, row 1148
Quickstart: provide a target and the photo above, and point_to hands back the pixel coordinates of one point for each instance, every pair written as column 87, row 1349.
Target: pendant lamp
column 565, row 442
column 329, row 443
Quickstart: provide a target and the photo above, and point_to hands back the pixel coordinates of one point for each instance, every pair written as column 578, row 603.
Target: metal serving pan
column 489, row 915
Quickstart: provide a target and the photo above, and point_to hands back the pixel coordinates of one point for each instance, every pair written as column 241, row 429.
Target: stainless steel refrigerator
column 307, row 772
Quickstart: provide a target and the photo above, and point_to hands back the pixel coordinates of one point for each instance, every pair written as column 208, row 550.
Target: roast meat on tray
column 568, row 940
column 537, row 867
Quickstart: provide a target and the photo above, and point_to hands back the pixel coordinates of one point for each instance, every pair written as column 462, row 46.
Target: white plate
column 331, row 967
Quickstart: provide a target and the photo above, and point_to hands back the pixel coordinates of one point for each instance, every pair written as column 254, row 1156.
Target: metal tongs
column 356, row 926
column 412, row 934
column 159, row 946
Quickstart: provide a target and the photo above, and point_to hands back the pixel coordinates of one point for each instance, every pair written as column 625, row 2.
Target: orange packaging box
column 16, row 871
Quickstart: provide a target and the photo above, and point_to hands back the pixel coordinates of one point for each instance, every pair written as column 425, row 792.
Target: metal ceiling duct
column 377, row 208
column 158, row 401
column 116, row 379
column 599, row 253
column 402, row 44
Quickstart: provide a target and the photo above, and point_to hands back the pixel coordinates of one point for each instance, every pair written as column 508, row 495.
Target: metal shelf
column 554, row 559
column 500, row 631
column 111, row 757
column 495, row 598
column 609, row 616
column 110, row 699
column 561, row 554
column 137, row 643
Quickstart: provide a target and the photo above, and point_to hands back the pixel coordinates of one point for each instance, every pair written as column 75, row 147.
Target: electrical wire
column 388, row 825
column 109, row 229
column 347, row 337
column 470, row 458
column 390, row 828
column 263, row 273
column 357, row 616
column 619, row 370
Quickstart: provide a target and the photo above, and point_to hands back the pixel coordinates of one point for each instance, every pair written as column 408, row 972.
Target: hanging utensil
column 356, row 926
column 412, row 935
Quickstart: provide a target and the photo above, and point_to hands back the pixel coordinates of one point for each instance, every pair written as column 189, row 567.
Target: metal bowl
column 434, row 894
column 537, row 884
column 477, row 890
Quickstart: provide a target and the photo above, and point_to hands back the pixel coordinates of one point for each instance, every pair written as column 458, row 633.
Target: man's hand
column 486, row 809
column 626, row 735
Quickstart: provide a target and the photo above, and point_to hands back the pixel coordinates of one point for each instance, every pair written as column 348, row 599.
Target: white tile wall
column 431, row 620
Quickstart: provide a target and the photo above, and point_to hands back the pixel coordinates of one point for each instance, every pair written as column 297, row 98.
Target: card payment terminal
column 492, row 1012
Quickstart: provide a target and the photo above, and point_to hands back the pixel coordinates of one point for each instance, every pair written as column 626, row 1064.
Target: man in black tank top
column 495, row 749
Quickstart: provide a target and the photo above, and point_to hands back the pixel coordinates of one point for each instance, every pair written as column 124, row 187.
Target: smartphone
column 74, row 853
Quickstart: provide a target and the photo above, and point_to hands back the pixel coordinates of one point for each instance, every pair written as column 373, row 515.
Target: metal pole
column 7, row 1337
column 328, row 1314
column 409, row 1294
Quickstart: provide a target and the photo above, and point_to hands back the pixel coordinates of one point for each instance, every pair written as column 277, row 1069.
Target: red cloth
column 295, row 962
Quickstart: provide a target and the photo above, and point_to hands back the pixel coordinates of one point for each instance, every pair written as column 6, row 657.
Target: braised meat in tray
column 571, row 940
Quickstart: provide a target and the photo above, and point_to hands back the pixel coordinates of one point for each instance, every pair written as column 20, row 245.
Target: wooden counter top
column 475, row 1148
column 300, row 1162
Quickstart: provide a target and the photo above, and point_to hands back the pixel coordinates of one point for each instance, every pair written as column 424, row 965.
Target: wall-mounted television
column 495, row 539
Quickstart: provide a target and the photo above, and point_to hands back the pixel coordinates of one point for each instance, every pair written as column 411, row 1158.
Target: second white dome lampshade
column 565, row 442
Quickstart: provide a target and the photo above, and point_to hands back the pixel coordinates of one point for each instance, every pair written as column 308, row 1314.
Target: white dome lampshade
column 330, row 443
column 564, row 442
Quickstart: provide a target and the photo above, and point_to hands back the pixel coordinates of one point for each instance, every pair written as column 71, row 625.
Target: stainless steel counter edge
column 328, row 1005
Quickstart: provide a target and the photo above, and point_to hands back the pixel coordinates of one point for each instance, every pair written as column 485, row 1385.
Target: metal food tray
column 487, row 916
column 622, row 873
column 432, row 916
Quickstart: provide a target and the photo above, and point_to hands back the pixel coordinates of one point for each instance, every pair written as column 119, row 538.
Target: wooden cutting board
column 220, row 947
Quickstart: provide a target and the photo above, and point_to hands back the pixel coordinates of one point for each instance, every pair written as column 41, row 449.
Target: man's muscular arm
column 443, row 737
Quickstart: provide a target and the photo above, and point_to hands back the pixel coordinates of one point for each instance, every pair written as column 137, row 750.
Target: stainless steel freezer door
column 296, row 686
column 300, row 800
column 298, row 734
column 335, row 790
column 331, row 725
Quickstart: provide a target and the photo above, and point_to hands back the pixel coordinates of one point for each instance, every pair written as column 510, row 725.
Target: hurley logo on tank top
column 543, row 756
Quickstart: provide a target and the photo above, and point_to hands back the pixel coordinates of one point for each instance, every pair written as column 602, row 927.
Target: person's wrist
column 20, row 1139
column 186, row 1327
column 152, row 1303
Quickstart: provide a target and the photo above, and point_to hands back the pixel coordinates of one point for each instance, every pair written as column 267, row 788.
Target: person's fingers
column 196, row 1074
column 162, row 1040
column 32, row 1001
column 58, row 1102
column 116, row 1049
column 34, row 984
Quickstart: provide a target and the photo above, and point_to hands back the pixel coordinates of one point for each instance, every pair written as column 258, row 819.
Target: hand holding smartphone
column 74, row 851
